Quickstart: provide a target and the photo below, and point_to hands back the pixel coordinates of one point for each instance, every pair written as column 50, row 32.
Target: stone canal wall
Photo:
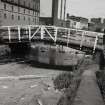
column 4, row 50
column 55, row 55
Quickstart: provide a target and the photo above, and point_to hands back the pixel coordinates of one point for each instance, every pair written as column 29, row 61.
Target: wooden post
column 95, row 44
column 19, row 33
column 68, row 38
column 83, row 33
column 9, row 34
column 42, row 32
column 55, row 34
column 29, row 33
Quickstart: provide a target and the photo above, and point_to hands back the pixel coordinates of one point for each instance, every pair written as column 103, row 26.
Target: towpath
column 88, row 92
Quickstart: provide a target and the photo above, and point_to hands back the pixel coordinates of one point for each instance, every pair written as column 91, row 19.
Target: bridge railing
column 68, row 35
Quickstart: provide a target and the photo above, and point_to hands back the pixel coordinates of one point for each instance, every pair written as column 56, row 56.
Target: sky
column 86, row 8
column 45, row 8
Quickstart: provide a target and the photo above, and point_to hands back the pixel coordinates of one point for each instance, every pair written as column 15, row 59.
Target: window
column 12, row 1
column 35, row 6
column 24, row 10
column 38, row 6
column 5, row 16
column 29, row 4
column 29, row 19
column 36, row 20
column 5, row 6
column 24, row 3
column 36, row 14
column 62, row 24
column 18, row 1
column 33, row 19
column 18, row 17
column 24, row 18
column 29, row 11
column 74, row 23
column 12, row 8
column 12, row 17
column 18, row 9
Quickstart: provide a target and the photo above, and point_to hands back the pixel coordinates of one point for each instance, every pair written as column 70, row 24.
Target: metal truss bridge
column 58, row 35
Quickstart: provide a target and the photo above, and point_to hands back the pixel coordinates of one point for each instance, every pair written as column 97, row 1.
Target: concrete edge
column 23, row 77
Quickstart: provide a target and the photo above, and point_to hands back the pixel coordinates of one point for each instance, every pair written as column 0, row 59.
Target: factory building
column 59, row 8
column 55, row 11
column 19, row 12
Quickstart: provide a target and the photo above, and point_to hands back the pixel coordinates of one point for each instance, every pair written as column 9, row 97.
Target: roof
column 78, row 19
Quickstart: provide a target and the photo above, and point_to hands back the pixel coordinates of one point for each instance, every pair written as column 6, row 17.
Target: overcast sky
column 45, row 8
column 86, row 8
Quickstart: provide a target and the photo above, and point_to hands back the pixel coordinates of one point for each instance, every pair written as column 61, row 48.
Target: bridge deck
column 81, row 38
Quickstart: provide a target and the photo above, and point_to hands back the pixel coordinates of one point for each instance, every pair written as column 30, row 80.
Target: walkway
column 88, row 92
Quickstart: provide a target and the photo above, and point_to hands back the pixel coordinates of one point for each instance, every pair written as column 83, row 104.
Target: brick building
column 19, row 12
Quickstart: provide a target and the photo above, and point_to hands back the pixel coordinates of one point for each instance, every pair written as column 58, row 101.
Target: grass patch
column 67, row 83
column 100, row 75
column 63, row 80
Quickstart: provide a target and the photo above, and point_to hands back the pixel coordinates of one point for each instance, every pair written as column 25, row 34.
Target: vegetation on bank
column 101, row 82
column 67, row 83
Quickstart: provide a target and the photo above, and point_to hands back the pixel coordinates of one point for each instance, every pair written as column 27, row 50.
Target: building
column 55, row 11
column 19, row 12
column 91, row 26
column 97, row 24
column 45, row 21
column 77, row 22
column 96, row 20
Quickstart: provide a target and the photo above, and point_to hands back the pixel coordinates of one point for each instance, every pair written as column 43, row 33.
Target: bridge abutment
column 19, row 49
column 96, row 57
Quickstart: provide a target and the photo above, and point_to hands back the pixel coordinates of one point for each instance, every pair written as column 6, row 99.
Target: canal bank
column 89, row 92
